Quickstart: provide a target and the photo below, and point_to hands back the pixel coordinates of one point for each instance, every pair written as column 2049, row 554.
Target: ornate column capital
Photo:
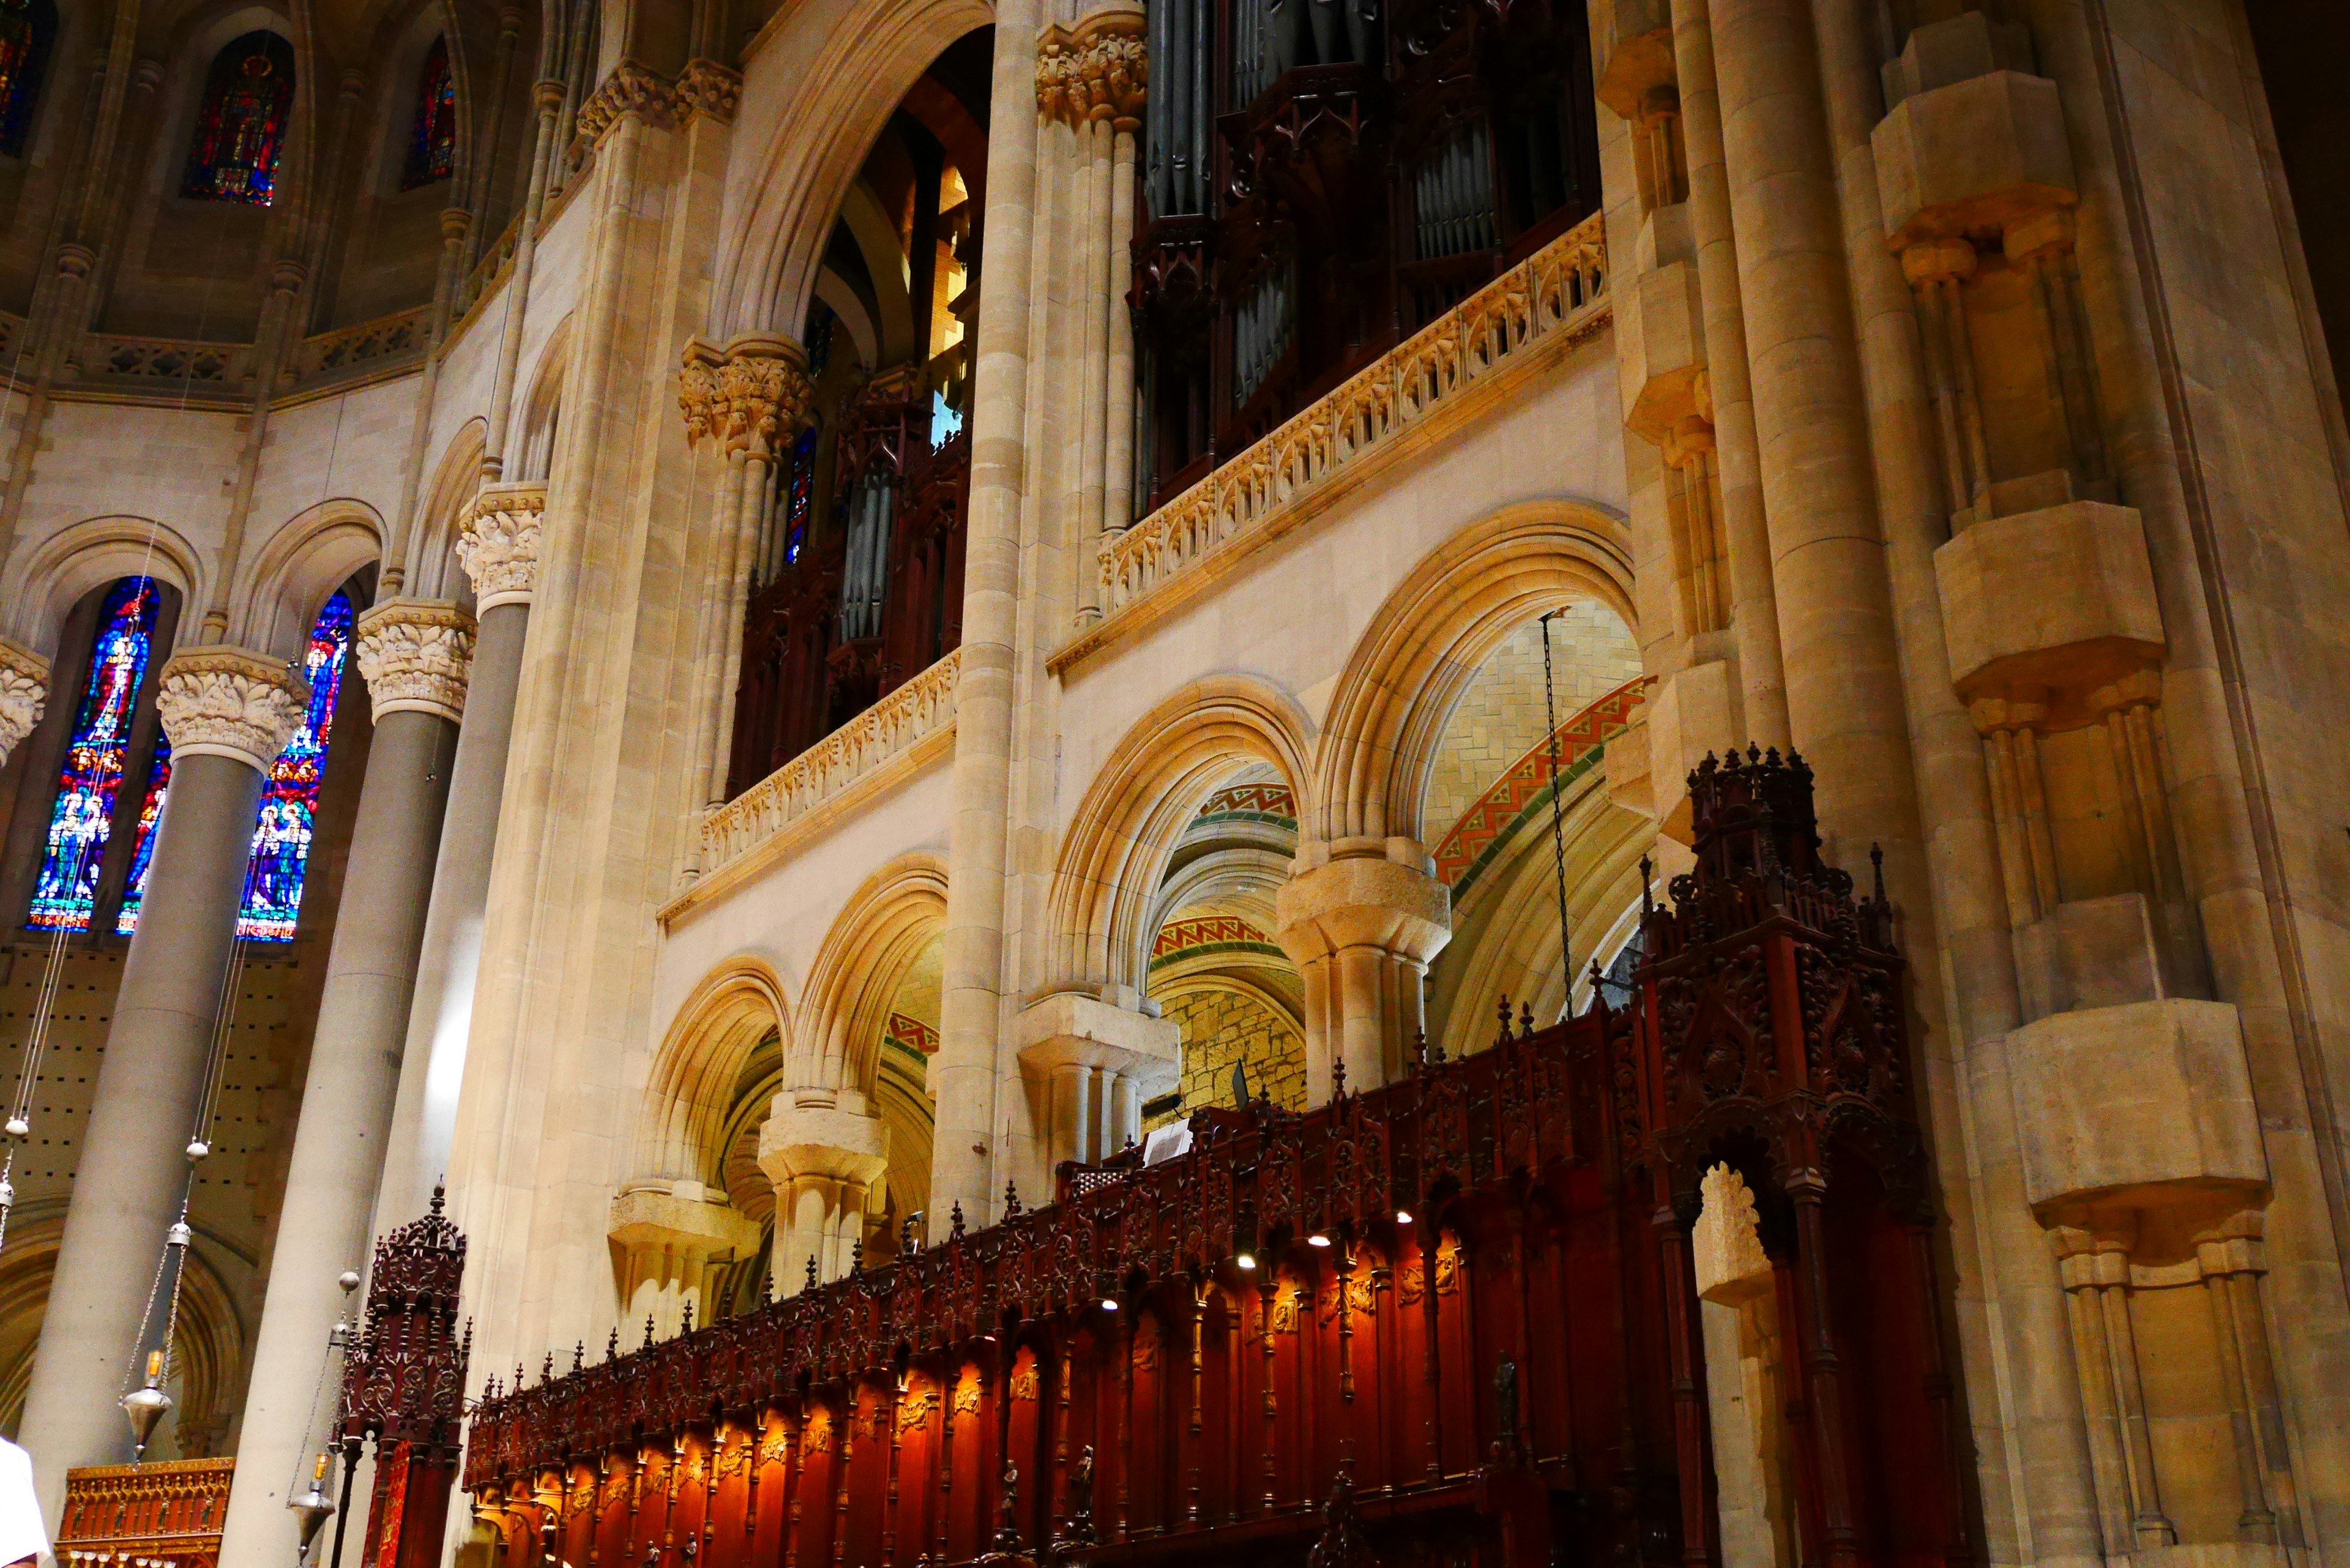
column 1101, row 70
column 629, row 88
column 747, row 394
column 222, row 702
column 499, row 545
column 23, row 693
column 707, row 90
column 416, row 655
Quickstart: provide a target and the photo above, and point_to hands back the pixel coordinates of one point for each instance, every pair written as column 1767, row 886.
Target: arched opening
column 857, row 578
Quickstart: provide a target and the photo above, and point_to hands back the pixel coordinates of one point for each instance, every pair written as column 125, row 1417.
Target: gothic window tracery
column 240, row 123
column 432, row 135
column 289, row 800
column 27, row 28
column 96, row 754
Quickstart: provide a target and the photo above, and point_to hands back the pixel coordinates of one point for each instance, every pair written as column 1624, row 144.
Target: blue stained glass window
column 432, row 137
column 289, row 801
column 241, row 125
column 95, row 756
column 142, row 845
column 802, row 499
column 27, row 28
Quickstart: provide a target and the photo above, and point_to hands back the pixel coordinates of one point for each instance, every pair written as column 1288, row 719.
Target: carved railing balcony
column 1461, row 1307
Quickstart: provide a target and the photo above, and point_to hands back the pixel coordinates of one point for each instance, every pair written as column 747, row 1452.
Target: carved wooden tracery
column 1468, row 1331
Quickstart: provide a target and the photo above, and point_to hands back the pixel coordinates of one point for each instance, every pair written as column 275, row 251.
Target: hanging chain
column 1557, row 830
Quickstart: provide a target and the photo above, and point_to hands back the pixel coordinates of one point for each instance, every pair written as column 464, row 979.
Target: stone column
column 966, row 1067
column 1362, row 932
column 669, row 1233
column 23, row 693
column 414, row 654
column 1744, row 1384
column 229, row 711
column 499, row 550
column 823, row 1150
column 1095, row 1065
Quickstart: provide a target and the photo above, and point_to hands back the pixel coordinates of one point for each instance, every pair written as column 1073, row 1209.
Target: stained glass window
column 95, row 758
column 241, row 128
column 289, row 801
column 433, row 139
column 27, row 28
column 803, row 494
column 142, row 845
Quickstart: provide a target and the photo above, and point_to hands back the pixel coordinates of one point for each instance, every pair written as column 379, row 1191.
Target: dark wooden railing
column 1457, row 1310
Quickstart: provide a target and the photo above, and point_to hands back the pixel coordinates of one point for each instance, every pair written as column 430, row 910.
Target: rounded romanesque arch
column 690, row 1093
column 1426, row 644
column 856, row 74
column 294, row 568
column 1114, row 856
column 42, row 590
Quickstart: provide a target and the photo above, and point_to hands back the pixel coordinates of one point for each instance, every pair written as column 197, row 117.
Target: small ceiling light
column 1403, row 1216
column 1318, row 1240
column 1109, row 1303
column 1246, row 1260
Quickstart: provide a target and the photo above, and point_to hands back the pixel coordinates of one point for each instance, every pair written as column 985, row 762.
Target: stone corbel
column 824, row 1152
column 1100, row 71
column 666, row 1234
column 751, row 395
column 416, row 656
column 222, row 702
column 23, row 693
column 1362, row 932
column 498, row 546
column 628, row 91
column 707, row 90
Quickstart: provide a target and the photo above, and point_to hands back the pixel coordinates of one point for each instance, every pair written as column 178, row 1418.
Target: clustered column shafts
column 415, row 656
column 228, row 713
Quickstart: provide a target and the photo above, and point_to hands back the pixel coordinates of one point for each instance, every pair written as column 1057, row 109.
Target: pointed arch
column 736, row 1008
column 297, row 567
column 1115, row 853
column 875, row 938
column 1425, row 645
column 432, row 569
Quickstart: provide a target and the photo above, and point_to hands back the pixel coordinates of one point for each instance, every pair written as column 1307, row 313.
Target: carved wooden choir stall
column 1451, row 1319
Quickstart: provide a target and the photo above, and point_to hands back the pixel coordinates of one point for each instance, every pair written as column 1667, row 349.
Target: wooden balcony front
column 167, row 1514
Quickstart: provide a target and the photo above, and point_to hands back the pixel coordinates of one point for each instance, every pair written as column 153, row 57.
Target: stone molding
column 1392, row 410
column 707, row 90
column 1101, row 70
column 498, row 545
column 628, row 89
column 417, row 655
column 222, row 701
column 23, row 693
column 746, row 394
column 920, row 710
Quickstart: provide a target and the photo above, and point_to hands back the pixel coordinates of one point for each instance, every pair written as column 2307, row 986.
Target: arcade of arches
column 845, row 714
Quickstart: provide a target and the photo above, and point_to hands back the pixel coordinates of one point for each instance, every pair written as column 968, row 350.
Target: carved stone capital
column 1101, row 70
column 23, row 693
column 707, row 89
column 417, row 655
column 222, row 702
column 746, row 394
column 499, row 546
column 628, row 89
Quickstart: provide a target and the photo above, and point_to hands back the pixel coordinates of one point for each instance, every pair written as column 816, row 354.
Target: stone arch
column 858, row 69
column 432, row 569
column 1114, row 856
column 296, row 568
column 879, row 934
column 42, row 590
column 1425, row 644
column 532, row 456
column 689, row 1093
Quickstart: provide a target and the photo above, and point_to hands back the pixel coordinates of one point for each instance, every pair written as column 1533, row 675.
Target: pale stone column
column 669, row 1234
column 1097, row 1064
column 965, row 1070
column 414, row 654
column 1362, row 932
column 548, row 97
column 823, row 1150
column 499, row 550
column 1744, row 1388
column 23, row 693
column 228, row 712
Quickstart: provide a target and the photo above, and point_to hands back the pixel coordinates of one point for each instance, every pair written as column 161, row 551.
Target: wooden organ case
column 1450, row 1320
